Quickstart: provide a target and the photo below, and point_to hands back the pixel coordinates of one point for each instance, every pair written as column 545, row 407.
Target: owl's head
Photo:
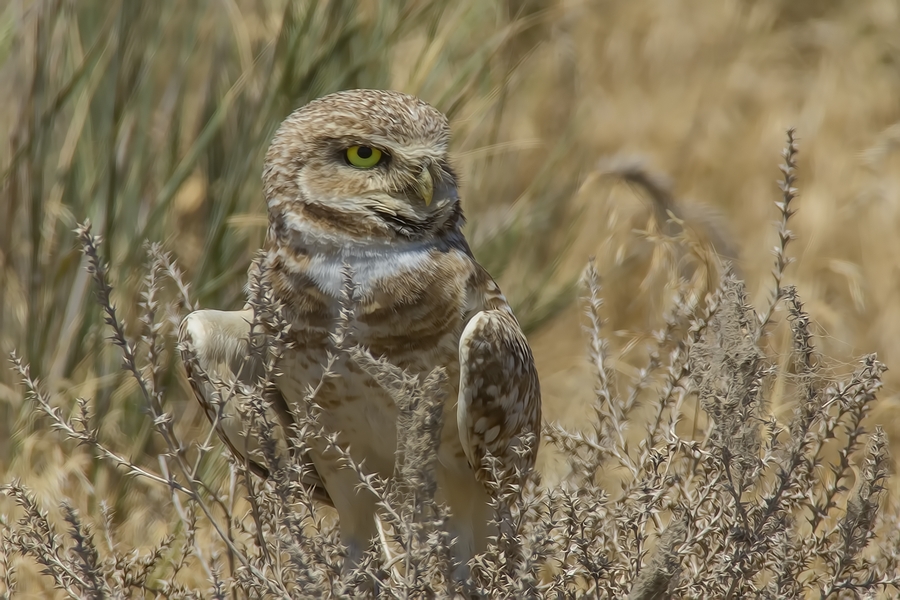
column 363, row 165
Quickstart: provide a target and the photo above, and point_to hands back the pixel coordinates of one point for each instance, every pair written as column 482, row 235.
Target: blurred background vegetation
column 645, row 133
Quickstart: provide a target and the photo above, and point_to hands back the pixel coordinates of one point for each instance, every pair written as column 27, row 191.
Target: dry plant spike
column 785, row 235
column 807, row 365
column 86, row 559
column 862, row 508
column 608, row 414
column 7, row 569
column 38, row 538
column 656, row 578
column 727, row 373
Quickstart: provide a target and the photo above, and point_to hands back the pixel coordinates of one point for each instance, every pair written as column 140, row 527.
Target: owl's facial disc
column 364, row 164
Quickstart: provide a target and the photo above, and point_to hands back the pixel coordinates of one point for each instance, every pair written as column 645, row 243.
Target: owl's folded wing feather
column 499, row 410
column 215, row 352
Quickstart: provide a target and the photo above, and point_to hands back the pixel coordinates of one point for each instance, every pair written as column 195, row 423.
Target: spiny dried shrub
column 731, row 505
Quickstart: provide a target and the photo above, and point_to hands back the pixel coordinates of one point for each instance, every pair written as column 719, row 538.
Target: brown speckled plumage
column 421, row 301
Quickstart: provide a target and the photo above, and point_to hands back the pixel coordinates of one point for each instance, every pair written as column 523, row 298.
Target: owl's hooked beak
column 425, row 186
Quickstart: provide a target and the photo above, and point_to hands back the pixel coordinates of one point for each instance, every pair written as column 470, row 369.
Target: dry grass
column 636, row 131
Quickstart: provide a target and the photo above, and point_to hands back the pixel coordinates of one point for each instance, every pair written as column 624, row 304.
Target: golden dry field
column 644, row 133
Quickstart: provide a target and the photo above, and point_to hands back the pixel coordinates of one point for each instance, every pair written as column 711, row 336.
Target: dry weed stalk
column 747, row 507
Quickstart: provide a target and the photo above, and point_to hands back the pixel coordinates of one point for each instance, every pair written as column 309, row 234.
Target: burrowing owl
column 362, row 178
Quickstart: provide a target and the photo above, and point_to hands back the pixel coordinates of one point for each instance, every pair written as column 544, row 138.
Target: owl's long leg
column 470, row 514
column 356, row 507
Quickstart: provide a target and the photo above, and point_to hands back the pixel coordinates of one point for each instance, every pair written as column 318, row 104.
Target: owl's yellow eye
column 363, row 157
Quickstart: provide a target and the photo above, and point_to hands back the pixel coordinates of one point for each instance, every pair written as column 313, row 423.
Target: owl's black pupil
column 364, row 152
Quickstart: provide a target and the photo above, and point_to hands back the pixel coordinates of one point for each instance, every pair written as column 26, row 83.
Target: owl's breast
column 409, row 303
column 411, row 312
column 415, row 313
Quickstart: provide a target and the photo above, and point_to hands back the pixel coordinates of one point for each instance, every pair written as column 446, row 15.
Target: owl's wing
column 499, row 409
column 219, row 340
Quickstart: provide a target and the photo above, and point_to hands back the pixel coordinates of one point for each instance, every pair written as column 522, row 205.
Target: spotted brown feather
column 499, row 407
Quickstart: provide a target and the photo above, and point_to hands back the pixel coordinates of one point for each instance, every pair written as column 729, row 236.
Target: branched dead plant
column 739, row 504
